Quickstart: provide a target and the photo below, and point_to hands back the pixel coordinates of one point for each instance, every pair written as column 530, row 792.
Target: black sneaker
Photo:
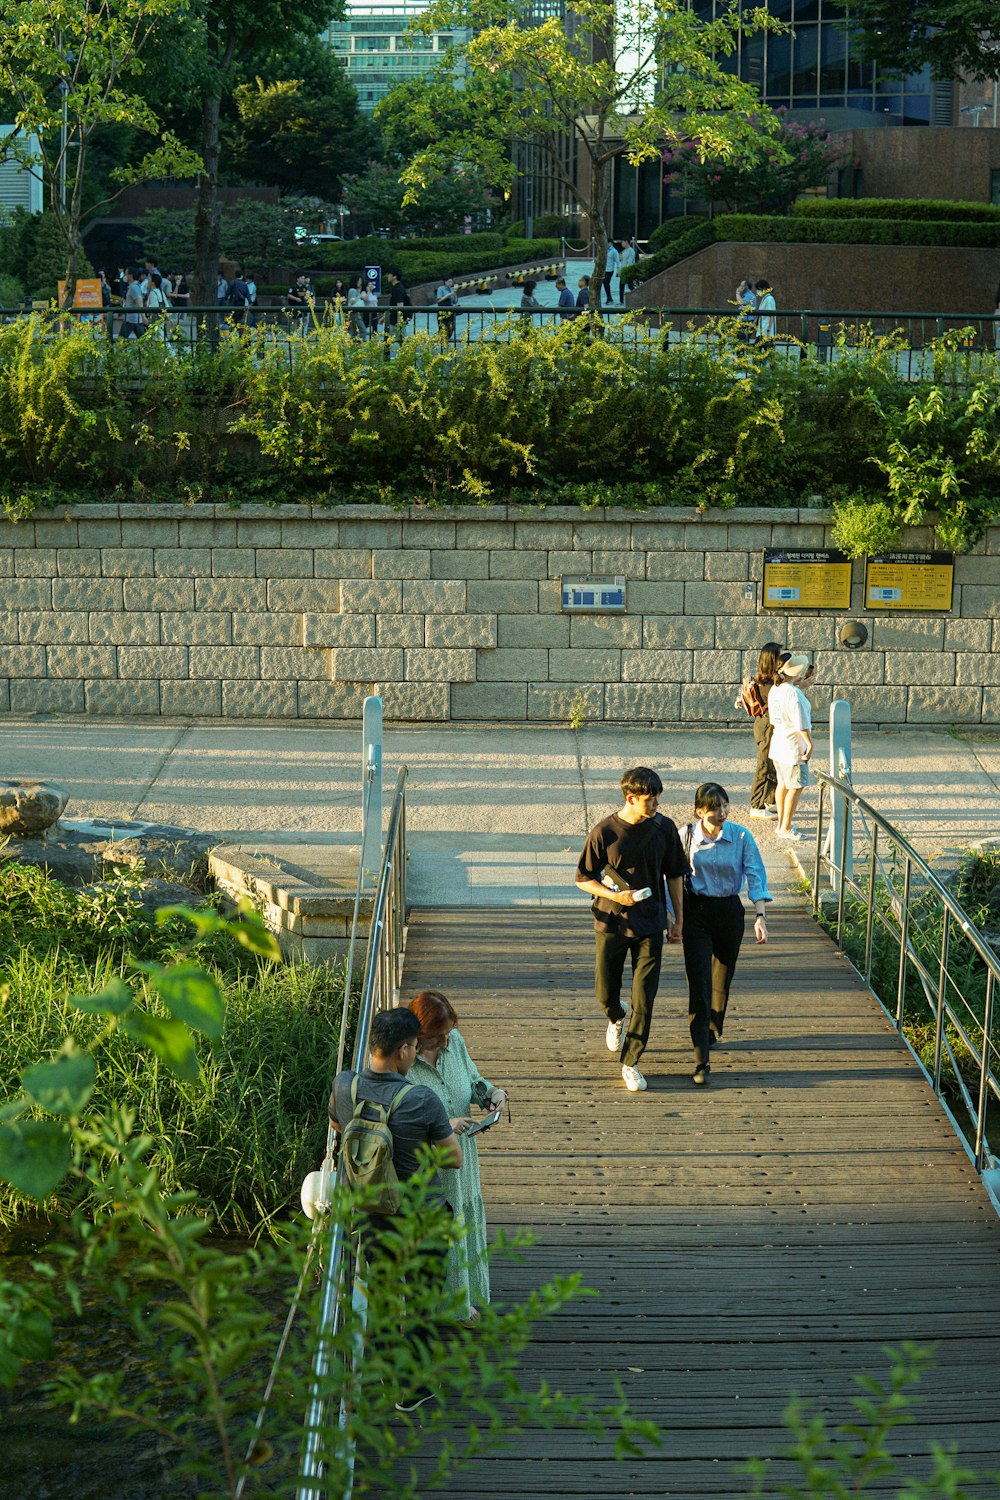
column 701, row 1073
column 420, row 1395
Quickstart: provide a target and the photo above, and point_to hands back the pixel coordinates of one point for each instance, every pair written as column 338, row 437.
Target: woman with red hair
column 443, row 1064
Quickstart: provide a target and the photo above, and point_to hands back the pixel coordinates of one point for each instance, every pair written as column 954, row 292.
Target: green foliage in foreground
column 243, row 1126
column 583, row 413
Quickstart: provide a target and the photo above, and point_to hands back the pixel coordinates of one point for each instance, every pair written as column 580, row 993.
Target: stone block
column 143, row 662
column 437, row 596
column 717, row 599
column 124, row 699
column 231, row 595
column 615, row 631
column 666, row 632
column 707, row 535
column 460, row 630
column 708, row 703
column 821, row 633
column 235, row 662
column 491, row 535
column 906, row 634
column 338, row 630
column 342, row 562
column 127, row 562
column 542, row 535
column 232, row 562
column 320, row 531
column 267, row 630
column 360, row 596
column 244, row 699
column 509, row 597
column 284, row 562
column 30, row 696
column 333, row 700
column 944, row 705
column 752, row 538
column 716, row 666
column 293, row 663
column 550, row 596
column 656, row 666
column 548, row 703
column 967, row 635
column 655, row 702
column 400, row 630
column 4, row 696
column 290, row 594
column 853, row 668
column 373, row 534
column 455, row 665
column 725, row 567
column 206, row 531
column 79, row 562
column 497, row 701
column 9, row 632
column 871, row 705
column 352, row 664
column 991, row 705
column 36, row 593
column 401, row 562
column 160, row 593
column 741, row 632
column 799, row 534
column 426, row 531
column 977, row 668
column 61, row 533
column 920, row 668
column 35, row 562
column 978, row 570
column 584, row 665
column 416, row 701
column 197, row 700
column 663, row 536
column 99, row 533
column 979, row 601
column 81, row 661
column 522, row 564
column 460, row 565
column 511, row 665
column 122, row 628
column 602, row 535
column 145, row 534
column 25, row 661
column 257, row 533
column 671, row 567
column 197, row 628
column 618, row 564
column 88, row 594
column 514, row 631
column 182, row 562
column 62, row 628
column 658, row 599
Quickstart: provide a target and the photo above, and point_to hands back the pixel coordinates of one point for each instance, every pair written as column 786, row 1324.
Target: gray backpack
column 366, row 1150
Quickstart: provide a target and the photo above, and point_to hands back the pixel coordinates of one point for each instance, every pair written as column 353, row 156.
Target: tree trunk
column 600, row 179
column 207, row 223
column 71, row 230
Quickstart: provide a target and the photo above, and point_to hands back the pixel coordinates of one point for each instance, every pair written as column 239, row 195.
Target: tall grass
column 244, row 1137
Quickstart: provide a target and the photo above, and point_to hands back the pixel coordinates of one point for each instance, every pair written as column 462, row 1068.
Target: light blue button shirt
column 719, row 867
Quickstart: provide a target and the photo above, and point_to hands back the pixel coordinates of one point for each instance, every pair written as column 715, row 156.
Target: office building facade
column 375, row 46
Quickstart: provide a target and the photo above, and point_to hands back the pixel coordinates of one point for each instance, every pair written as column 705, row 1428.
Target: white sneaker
column 792, row 837
column 763, row 812
column 634, row 1080
column 613, row 1035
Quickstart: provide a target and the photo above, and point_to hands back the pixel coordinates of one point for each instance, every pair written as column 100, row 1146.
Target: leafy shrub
column 11, row 291
column 896, row 208
column 778, row 229
column 671, row 229
column 693, row 239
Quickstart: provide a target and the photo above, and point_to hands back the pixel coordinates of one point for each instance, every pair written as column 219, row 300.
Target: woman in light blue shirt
column 723, row 858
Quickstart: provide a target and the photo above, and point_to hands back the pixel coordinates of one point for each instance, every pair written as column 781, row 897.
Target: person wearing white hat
column 790, row 713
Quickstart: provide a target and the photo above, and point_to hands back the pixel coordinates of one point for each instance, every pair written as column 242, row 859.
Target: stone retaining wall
column 289, row 612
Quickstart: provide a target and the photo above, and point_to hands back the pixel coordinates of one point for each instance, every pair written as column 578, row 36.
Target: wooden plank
column 772, row 1231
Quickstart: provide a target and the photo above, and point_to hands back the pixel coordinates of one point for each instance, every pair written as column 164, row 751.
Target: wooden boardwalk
column 771, row 1232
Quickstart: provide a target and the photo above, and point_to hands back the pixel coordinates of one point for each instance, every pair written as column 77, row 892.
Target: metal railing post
column 824, row 792
column 942, row 982
column 984, row 1074
column 844, row 829
column 870, row 915
column 904, row 942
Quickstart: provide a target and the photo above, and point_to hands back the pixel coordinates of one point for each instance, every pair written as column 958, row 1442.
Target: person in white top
column 767, row 323
column 790, row 713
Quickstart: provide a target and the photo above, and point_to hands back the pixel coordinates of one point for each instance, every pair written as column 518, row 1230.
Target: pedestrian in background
column 791, row 739
column 753, row 698
column 767, row 323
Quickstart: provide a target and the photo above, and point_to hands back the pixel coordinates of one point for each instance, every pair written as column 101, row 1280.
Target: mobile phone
column 642, row 895
column 485, row 1122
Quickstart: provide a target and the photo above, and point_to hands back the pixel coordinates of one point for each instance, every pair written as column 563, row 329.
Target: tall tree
column 953, row 36
column 619, row 78
column 72, row 68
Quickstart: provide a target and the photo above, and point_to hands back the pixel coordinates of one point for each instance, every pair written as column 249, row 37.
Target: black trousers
column 765, row 780
column 647, row 956
column 713, row 932
column 375, row 1234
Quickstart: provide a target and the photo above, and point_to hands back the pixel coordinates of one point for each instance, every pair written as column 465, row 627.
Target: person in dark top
column 399, row 297
column 623, row 866
column 419, row 1121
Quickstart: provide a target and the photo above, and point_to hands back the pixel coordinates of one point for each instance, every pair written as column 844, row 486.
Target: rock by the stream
column 84, row 851
column 29, row 808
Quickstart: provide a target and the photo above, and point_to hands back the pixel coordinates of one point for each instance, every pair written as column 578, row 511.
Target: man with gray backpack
column 384, row 1123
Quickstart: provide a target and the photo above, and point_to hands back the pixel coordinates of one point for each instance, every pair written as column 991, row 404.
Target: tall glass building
column 373, row 45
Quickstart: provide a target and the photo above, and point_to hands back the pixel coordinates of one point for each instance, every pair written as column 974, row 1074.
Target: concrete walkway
column 497, row 813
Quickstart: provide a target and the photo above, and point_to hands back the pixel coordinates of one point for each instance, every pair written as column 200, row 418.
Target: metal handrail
column 381, row 989
column 937, row 982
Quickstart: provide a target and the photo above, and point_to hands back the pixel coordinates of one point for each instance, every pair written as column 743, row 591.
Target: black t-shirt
column 638, row 854
column 418, row 1120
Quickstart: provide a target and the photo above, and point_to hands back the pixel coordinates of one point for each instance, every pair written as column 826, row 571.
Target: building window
column 995, row 188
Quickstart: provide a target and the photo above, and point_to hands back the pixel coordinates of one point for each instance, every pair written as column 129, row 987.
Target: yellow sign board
column 909, row 580
column 87, row 293
column 804, row 578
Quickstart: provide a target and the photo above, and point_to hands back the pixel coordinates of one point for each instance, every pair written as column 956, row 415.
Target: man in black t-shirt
column 632, row 851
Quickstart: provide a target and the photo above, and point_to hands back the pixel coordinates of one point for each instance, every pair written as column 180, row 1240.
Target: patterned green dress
column 457, row 1081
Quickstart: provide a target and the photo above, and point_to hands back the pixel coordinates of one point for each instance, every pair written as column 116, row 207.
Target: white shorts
column 792, row 775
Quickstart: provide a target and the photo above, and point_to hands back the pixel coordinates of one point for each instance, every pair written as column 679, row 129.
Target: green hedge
column 672, row 229
column 923, row 209
column 778, row 230
column 429, row 260
column 700, row 234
